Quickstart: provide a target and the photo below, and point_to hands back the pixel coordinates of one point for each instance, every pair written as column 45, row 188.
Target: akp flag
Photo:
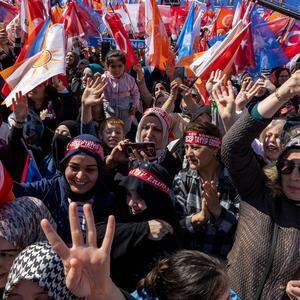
column 45, row 64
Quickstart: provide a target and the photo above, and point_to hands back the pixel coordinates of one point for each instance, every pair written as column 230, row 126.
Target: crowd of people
column 142, row 191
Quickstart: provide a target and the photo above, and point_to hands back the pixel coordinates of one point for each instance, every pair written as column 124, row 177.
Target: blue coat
column 53, row 193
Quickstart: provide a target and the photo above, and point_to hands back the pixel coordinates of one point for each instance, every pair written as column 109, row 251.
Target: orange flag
column 157, row 40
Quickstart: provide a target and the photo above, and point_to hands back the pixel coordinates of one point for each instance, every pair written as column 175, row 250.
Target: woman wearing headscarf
column 37, row 273
column 81, row 180
column 155, row 127
column 19, row 227
column 260, row 266
column 65, row 131
column 145, row 194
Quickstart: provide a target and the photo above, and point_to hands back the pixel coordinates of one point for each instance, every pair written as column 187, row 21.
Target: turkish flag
column 245, row 55
column 221, row 58
column 114, row 24
column 291, row 42
column 223, row 22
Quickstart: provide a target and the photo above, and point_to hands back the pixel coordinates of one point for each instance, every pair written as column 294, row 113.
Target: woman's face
column 28, row 290
column 159, row 88
column 283, row 77
column 199, row 157
column 291, row 182
column 7, row 255
column 70, row 58
column 112, row 135
column 152, row 131
column 81, row 173
column 272, row 142
column 87, row 73
column 63, row 130
column 135, row 203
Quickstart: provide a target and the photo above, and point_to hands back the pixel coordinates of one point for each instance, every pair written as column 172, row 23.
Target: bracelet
column 278, row 96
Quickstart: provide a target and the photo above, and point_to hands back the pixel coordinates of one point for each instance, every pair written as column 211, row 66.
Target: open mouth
column 79, row 184
column 272, row 148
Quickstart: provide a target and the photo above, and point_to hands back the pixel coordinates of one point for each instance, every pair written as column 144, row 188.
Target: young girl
column 121, row 96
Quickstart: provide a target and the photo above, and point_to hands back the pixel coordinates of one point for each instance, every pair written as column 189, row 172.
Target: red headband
column 149, row 178
column 193, row 137
column 161, row 112
column 88, row 145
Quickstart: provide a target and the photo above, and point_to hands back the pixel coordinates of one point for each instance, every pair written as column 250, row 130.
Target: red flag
column 221, row 58
column 113, row 22
column 223, row 22
column 6, row 185
column 72, row 22
column 291, row 41
column 245, row 55
column 77, row 21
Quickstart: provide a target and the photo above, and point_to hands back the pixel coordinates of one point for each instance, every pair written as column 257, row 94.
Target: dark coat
column 259, row 211
column 54, row 194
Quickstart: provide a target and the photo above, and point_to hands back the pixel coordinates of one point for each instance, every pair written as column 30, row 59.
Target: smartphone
column 148, row 148
column 179, row 73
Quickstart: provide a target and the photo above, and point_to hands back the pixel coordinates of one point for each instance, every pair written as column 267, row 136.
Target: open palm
column 87, row 267
column 92, row 93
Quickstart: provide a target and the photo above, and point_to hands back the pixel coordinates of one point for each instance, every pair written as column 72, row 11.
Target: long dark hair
column 186, row 275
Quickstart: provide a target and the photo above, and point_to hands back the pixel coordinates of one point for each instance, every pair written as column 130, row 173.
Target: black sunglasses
column 286, row 166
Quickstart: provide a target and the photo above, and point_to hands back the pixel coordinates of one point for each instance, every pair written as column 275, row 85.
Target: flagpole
column 280, row 9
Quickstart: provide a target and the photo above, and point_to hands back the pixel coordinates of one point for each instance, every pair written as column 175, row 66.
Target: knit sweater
column 259, row 212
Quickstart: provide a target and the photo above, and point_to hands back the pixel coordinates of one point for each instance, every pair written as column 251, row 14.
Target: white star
column 243, row 44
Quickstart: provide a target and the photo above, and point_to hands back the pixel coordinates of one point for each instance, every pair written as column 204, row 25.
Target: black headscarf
column 159, row 203
column 60, row 142
column 89, row 145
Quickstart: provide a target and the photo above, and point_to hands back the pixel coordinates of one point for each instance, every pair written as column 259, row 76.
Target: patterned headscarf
column 165, row 121
column 20, row 221
column 39, row 263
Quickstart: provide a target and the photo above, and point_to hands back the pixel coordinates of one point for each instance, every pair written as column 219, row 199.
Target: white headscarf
column 166, row 125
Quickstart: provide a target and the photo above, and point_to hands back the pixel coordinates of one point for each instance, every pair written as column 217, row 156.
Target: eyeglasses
column 286, row 166
column 116, row 66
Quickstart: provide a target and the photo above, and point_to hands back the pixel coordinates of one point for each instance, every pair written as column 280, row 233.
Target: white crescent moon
column 227, row 21
column 292, row 34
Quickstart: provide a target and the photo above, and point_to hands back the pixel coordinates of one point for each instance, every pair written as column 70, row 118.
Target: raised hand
column 293, row 289
column 290, row 88
column 215, row 79
column 58, row 84
column 117, row 156
column 211, row 198
column 224, row 97
column 93, row 91
column 225, row 100
column 87, row 267
column 247, row 92
column 139, row 71
column 201, row 217
column 20, row 107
